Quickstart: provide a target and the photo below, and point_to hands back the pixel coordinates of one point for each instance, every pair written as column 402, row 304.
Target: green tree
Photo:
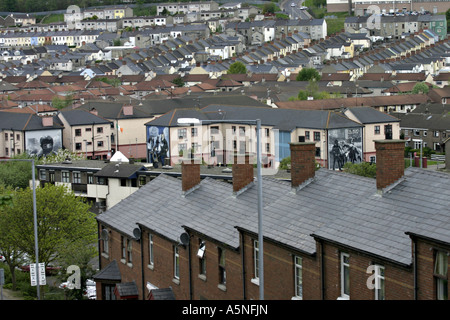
column 307, row 74
column 237, row 68
column 178, row 81
column 420, row 87
column 65, row 223
column 61, row 103
column 16, row 174
column 269, row 8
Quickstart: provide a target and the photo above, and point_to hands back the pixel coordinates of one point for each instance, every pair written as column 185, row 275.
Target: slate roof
column 119, row 170
column 378, row 225
column 339, row 207
column 110, row 272
column 282, row 119
column 25, row 121
column 370, row 115
column 82, row 117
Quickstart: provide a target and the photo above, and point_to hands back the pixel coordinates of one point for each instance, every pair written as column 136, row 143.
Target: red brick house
column 327, row 235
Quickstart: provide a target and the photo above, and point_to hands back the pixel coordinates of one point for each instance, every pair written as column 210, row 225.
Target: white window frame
column 255, row 278
column 345, row 266
column 176, row 263
column 298, row 267
column 379, row 283
column 441, row 274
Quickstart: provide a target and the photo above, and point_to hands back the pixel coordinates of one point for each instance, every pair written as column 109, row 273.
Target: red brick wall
column 190, row 175
column 398, row 280
column 390, row 161
column 279, row 280
column 425, row 266
column 162, row 273
column 130, row 272
column 208, row 287
column 302, row 162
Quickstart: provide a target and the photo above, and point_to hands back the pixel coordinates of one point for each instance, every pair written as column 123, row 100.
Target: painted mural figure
column 46, row 143
column 157, row 146
column 337, row 153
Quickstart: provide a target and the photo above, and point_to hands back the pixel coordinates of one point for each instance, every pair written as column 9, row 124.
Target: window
column 416, row 132
column 233, row 129
column 6, row 151
column 242, row 131
column 425, row 133
column 307, row 136
column 377, row 130
column 65, row 176
column 201, row 257
column 151, row 257
column 380, row 293
column 345, row 276
column 78, row 146
column 176, row 263
column 129, row 251
column 99, row 143
column 77, row 132
column 194, row 132
column 76, row 177
column 123, row 247
column 215, row 130
column 105, row 241
column 440, row 274
column 267, row 132
column 90, row 178
column 42, row 174
column 317, row 152
column 256, row 260
column 142, row 180
column 100, row 130
column 298, row 265
column 436, row 134
column 181, row 133
column 268, row 147
column 316, row 136
column 222, row 272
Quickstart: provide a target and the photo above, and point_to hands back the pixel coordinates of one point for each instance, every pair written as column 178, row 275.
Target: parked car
column 292, row 4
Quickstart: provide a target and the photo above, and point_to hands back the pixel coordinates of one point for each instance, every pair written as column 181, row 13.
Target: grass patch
column 52, row 18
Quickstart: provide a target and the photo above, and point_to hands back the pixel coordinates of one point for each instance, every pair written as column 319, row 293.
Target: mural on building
column 157, row 145
column 344, row 145
column 43, row 142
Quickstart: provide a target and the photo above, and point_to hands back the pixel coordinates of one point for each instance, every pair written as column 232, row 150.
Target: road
column 295, row 12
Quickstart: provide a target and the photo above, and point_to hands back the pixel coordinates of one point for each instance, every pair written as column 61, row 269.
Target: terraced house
column 327, row 235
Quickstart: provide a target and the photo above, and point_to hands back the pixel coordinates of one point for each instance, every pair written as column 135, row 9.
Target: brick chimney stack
column 303, row 165
column 190, row 174
column 242, row 172
column 390, row 162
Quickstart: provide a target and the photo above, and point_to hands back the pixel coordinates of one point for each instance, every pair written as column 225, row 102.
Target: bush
column 365, row 169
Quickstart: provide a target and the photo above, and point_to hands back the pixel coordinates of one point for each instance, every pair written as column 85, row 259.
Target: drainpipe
column 190, row 271
column 322, row 271
column 416, row 287
column 142, row 267
column 244, row 293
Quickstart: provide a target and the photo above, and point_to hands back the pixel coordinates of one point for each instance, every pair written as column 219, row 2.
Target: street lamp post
column 193, row 121
column 36, row 246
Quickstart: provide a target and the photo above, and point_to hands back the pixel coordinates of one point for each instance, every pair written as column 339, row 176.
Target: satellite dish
column 184, row 238
column 104, row 234
column 137, row 233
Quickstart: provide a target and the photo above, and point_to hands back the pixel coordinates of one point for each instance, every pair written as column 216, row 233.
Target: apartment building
column 355, row 238
column 87, row 134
